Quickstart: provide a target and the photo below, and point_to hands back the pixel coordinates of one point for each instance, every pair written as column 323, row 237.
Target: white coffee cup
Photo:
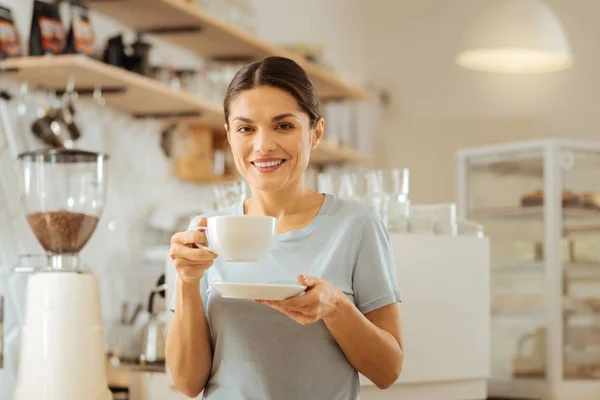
column 246, row 238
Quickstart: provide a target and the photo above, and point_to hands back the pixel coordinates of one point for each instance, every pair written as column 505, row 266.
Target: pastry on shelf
column 593, row 303
column 516, row 303
column 527, row 368
column 536, row 198
column 581, row 371
column 591, row 200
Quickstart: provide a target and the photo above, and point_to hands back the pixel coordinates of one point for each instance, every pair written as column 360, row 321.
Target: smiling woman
column 273, row 122
column 348, row 320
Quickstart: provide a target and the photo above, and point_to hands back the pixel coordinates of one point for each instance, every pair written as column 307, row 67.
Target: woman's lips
column 267, row 165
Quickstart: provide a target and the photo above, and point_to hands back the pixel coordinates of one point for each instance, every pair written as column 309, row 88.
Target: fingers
column 189, row 238
column 299, row 303
column 179, row 251
column 308, row 281
column 202, row 222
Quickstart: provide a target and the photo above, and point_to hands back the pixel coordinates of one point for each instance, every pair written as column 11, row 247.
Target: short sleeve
column 374, row 277
column 203, row 281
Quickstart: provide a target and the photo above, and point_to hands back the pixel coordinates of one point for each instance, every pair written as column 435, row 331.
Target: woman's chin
column 268, row 184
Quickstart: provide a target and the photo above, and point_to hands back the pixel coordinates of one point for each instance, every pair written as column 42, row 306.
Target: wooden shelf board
column 142, row 96
column 215, row 39
column 328, row 153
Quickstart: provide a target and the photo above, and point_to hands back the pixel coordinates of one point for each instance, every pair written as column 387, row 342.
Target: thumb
column 201, row 222
column 308, row 281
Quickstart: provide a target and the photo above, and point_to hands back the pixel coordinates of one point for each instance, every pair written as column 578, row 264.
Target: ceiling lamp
column 516, row 36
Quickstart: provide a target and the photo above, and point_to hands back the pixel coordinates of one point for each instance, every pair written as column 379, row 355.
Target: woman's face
column 271, row 138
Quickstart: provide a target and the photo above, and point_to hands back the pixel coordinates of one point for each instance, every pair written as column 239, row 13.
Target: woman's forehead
column 264, row 100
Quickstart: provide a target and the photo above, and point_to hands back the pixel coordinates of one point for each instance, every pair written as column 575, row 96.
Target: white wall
column 338, row 25
column 438, row 107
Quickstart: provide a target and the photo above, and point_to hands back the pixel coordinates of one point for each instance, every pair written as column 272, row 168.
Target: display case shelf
column 534, row 212
column 576, row 270
column 188, row 25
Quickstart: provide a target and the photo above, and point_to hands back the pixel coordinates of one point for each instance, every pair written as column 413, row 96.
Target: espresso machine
column 62, row 355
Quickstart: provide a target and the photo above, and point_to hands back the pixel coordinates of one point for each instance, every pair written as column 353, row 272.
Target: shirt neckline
column 312, row 225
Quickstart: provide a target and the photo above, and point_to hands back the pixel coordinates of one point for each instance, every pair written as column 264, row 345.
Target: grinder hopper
column 63, row 193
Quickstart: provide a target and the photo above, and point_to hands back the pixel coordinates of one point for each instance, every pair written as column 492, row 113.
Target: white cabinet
column 445, row 286
column 539, row 202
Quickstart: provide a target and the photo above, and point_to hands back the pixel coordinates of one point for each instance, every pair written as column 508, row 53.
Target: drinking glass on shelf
column 388, row 190
column 390, row 181
column 353, row 186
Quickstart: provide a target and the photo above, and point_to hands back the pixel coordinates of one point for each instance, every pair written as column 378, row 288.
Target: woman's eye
column 285, row 126
column 244, row 129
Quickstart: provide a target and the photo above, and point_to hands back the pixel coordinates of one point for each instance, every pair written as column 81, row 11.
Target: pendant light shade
column 516, row 36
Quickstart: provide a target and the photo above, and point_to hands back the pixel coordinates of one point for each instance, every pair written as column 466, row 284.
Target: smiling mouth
column 267, row 165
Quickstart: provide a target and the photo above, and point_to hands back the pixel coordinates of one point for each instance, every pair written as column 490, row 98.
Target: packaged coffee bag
column 47, row 31
column 81, row 34
column 10, row 43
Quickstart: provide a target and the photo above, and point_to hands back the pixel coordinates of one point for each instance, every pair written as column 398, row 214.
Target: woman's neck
column 291, row 200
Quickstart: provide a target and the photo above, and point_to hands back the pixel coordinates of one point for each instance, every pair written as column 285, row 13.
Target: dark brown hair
column 277, row 72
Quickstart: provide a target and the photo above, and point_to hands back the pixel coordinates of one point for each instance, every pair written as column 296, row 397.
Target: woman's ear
column 318, row 134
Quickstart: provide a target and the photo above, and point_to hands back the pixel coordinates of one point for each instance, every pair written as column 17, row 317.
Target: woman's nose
column 264, row 142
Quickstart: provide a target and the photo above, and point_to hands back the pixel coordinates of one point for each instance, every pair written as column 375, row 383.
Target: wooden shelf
column 188, row 25
column 328, row 153
column 140, row 96
column 125, row 90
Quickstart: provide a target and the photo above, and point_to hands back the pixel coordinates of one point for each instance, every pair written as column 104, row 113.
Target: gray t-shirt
column 261, row 354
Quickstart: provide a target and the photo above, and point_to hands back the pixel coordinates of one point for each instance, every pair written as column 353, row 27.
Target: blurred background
column 473, row 118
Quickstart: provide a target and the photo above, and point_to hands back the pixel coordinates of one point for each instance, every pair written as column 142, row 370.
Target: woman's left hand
column 319, row 301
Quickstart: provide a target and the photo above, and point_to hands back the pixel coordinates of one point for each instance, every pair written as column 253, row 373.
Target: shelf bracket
column 163, row 115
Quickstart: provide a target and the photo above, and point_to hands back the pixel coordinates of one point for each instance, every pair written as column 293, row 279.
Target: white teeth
column 268, row 164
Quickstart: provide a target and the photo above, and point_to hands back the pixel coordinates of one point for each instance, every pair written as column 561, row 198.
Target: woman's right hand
column 191, row 261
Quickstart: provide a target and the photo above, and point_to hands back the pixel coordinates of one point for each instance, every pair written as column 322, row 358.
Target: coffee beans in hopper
column 62, row 232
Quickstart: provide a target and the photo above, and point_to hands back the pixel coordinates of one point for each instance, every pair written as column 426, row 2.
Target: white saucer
column 256, row 291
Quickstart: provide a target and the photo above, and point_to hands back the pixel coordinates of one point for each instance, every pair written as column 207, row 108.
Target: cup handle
column 201, row 246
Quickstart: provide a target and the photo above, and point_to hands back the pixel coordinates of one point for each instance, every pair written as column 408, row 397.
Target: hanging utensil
column 56, row 126
column 154, row 333
column 67, row 111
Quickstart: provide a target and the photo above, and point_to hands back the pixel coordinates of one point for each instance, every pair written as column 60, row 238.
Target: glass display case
column 539, row 202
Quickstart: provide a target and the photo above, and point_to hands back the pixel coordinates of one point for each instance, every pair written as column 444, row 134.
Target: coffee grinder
column 62, row 353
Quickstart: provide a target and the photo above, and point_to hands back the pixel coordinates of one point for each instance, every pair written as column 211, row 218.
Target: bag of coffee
column 47, row 31
column 10, row 43
column 81, row 34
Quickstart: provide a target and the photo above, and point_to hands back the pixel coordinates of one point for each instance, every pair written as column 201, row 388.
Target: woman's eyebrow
column 243, row 119
column 282, row 116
